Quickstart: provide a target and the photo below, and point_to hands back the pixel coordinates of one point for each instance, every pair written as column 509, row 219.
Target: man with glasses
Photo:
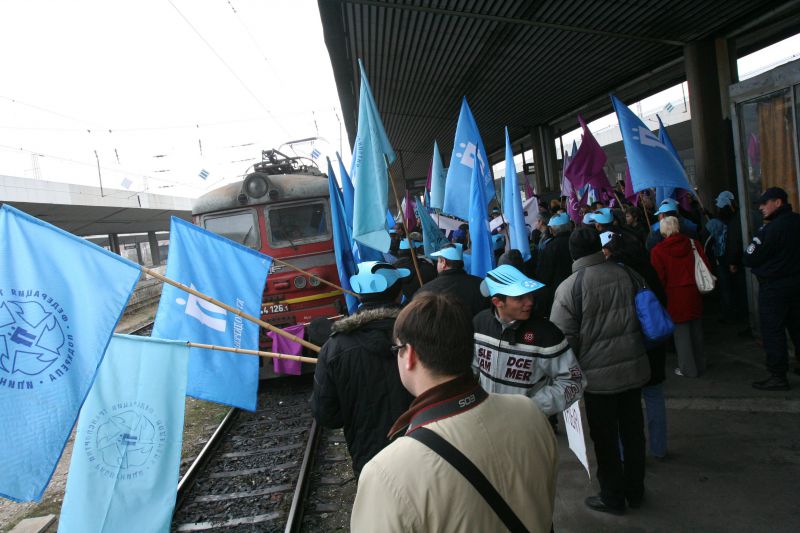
column 356, row 384
column 413, row 485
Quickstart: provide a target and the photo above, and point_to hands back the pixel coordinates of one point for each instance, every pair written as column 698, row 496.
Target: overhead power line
column 230, row 69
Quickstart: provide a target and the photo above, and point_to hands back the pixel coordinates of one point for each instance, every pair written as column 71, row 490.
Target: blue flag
column 467, row 146
column 651, row 162
column 348, row 194
column 482, row 255
column 432, row 237
column 437, row 179
column 60, row 299
column 345, row 263
column 512, row 206
column 666, row 192
column 230, row 273
column 127, row 450
column 370, row 173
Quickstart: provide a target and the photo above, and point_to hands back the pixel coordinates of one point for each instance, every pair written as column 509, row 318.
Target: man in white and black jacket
column 518, row 353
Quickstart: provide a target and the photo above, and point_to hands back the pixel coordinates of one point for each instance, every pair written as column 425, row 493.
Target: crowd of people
column 444, row 389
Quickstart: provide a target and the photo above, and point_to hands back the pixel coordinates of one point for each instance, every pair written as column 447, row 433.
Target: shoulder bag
column 703, row 277
column 656, row 323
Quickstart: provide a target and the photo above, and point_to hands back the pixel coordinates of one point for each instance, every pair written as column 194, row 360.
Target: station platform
column 733, row 460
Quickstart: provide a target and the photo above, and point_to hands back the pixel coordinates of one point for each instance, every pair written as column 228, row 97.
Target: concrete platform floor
column 734, row 452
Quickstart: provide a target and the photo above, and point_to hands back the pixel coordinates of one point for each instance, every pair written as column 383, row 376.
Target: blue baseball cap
column 603, row 216
column 376, row 276
column 559, row 220
column 508, row 281
column 452, row 253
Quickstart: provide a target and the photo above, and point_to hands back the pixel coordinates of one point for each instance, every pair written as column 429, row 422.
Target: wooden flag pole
column 644, row 210
column 399, row 208
column 309, row 274
column 233, row 310
column 254, row 352
column 700, row 201
column 621, row 205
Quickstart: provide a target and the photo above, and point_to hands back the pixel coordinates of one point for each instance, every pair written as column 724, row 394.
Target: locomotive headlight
column 300, row 282
column 314, row 282
column 255, row 185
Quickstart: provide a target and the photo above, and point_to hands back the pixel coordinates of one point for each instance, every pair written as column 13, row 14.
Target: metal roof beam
column 509, row 20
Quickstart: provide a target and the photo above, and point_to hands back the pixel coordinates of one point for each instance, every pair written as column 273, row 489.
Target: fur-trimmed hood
column 365, row 317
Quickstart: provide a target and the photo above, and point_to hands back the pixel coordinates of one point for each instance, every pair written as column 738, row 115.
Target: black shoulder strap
column 467, row 468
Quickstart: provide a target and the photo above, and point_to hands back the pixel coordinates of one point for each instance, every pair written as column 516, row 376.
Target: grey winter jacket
column 604, row 332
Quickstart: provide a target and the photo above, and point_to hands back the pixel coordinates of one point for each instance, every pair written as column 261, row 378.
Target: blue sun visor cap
column 605, row 238
column 588, row 218
column 376, row 276
column 451, row 253
column 559, row 220
column 404, row 244
column 603, row 216
column 724, row 198
column 671, row 202
column 508, row 281
column 498, row 242
column 667, row 208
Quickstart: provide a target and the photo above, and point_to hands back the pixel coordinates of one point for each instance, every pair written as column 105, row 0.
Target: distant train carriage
column 281, row 209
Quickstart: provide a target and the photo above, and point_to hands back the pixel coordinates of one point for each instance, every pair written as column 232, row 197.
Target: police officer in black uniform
column 774, row 257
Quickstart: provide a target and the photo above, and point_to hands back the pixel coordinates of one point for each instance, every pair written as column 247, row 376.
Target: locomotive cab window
column 295, row 224
column 241, row 227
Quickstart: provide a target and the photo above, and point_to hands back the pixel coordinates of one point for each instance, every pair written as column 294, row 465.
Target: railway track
column 272, row 470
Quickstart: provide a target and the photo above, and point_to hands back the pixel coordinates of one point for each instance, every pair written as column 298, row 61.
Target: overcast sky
column 161, row 89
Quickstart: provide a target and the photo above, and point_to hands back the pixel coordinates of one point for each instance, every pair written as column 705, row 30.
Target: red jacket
column 673, row 260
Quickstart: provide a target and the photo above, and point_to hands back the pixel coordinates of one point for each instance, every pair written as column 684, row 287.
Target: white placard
column 573, row 421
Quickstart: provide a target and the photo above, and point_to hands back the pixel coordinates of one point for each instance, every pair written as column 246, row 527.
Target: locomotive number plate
column 275, row 308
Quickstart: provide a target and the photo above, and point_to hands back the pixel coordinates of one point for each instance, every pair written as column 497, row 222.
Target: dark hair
column 512, row 257
column 440, row 330
column 635, row 213
column 451, row 263
column 584, row 241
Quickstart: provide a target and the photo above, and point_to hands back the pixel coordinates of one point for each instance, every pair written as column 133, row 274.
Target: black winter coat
column 356, row 382
column 774, row 252
column 411, row 284
column 462, row 286
column 553, row 267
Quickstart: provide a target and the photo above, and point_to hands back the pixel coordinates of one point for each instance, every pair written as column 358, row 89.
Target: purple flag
column 409, row 215
column 629, row 194
column 528, row 189
column 587, row 165
column 281, row 344
column 566, row 187
column 574, row 204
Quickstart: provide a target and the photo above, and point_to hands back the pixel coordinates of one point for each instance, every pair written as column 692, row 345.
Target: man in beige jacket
column 410, row 487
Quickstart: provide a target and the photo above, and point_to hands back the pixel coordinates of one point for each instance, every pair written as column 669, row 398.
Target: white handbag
column 703, row 277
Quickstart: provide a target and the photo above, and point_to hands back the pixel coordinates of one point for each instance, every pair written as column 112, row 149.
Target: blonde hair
column 669, row 226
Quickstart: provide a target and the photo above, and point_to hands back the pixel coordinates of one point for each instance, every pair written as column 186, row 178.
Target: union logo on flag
column 203, row 173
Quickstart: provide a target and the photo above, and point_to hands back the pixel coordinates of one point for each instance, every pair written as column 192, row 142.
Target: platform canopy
column 522, row 63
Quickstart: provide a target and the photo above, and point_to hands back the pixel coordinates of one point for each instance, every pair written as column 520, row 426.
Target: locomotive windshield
column 291, row 225
column 241, row 226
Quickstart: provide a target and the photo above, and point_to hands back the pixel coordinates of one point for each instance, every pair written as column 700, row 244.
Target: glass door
column 769, row 149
